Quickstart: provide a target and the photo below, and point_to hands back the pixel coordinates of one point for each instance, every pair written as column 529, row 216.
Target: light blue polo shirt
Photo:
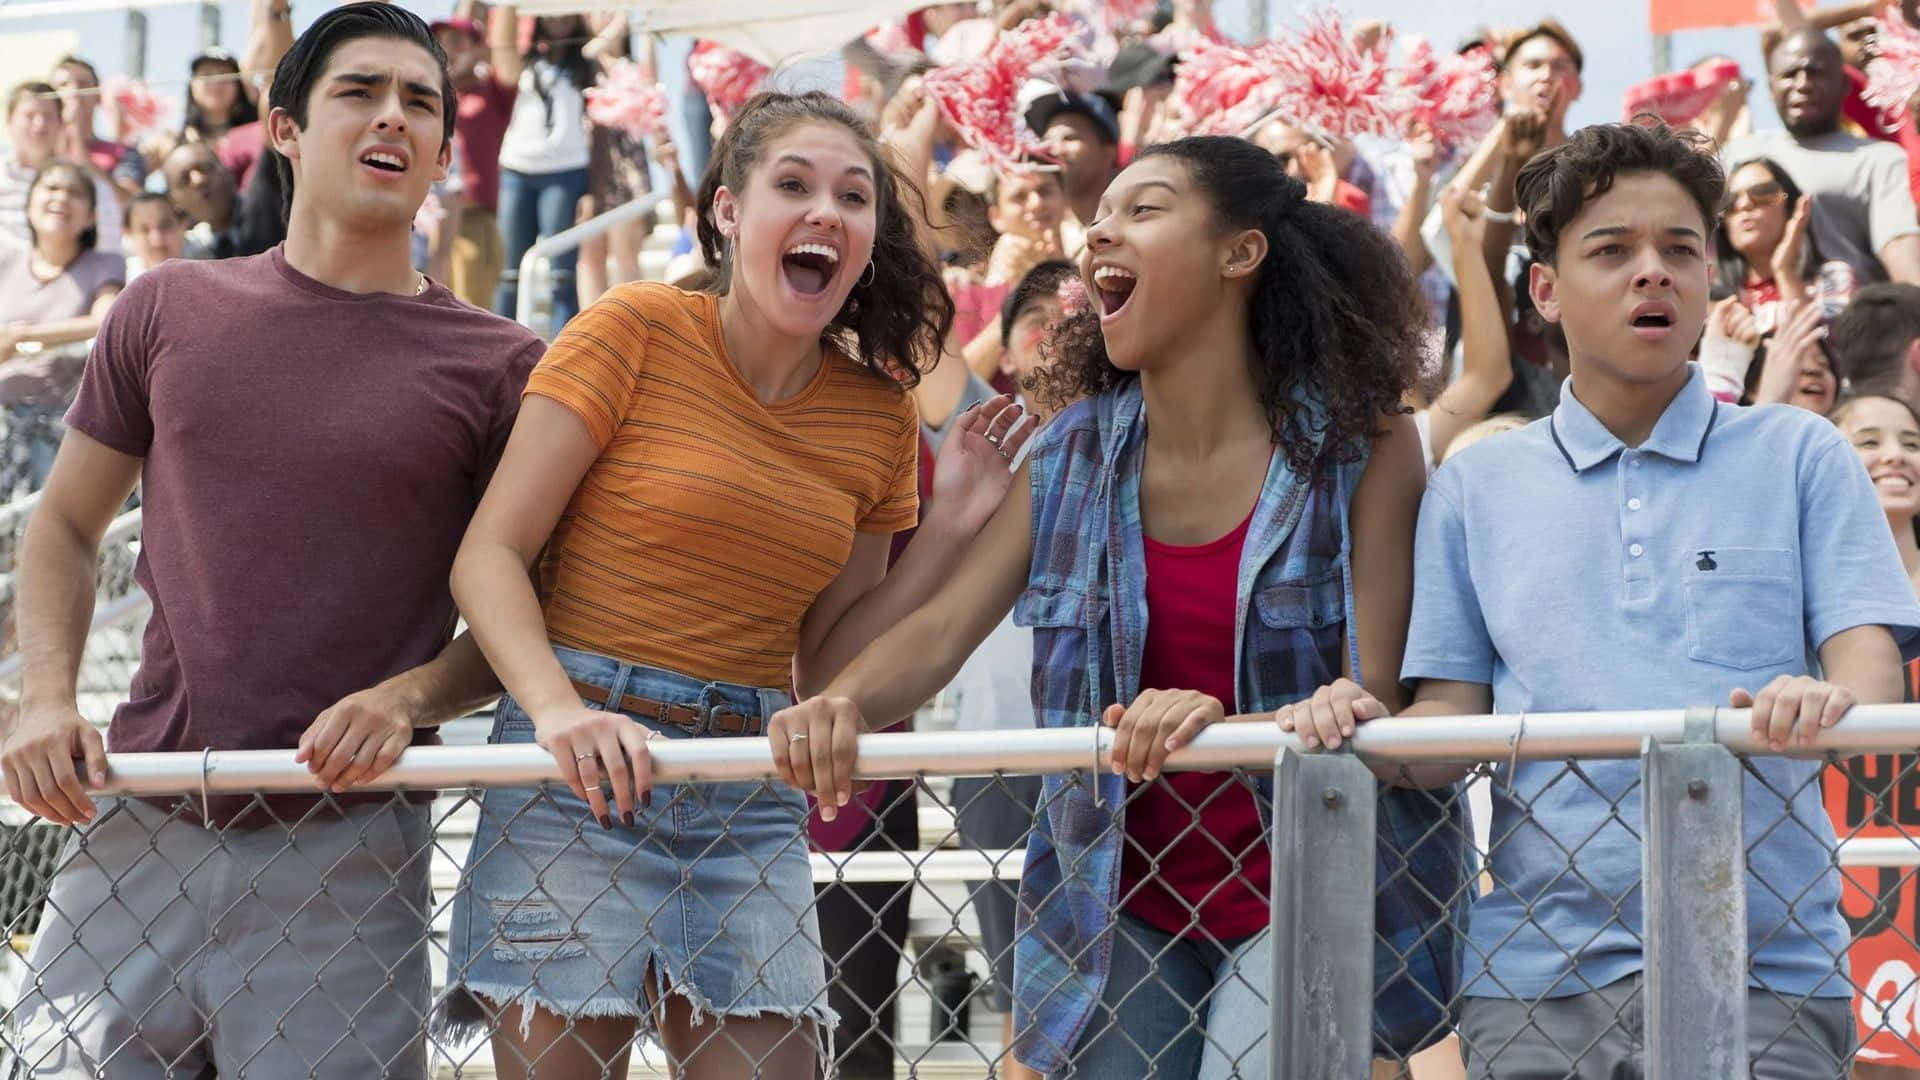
column 1571, row 573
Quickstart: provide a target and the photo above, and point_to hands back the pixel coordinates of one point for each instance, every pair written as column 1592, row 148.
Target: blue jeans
column 534, row 206
column 1187, row 1008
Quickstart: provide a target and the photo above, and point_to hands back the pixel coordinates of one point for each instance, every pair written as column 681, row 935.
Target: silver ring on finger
column 992, row 439
column 588, row 756
column 1003, row 453
column 796, row 736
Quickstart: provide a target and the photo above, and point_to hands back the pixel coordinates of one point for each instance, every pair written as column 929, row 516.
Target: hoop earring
column 867, row 279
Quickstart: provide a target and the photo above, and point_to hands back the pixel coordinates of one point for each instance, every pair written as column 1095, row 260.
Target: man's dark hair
column 74, row 61
column 1871, row 337
column 149, row 198
column 1041, row 282
column 25, row 90
column 306, row 62
column 1558, row 182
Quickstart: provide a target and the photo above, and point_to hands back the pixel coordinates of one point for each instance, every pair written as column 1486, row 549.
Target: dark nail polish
column 627, row 819
column 606, row 822
column 646, row 798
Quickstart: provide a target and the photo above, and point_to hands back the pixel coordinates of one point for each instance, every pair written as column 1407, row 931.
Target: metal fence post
column 1323, row 853
column 1694, row 879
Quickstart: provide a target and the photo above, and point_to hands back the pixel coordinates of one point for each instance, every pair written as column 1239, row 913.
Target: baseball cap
column 461, row 23
column 1139, row 65
column 1095, row 107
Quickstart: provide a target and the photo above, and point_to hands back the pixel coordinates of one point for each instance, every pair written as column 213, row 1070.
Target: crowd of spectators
column 1816, row 251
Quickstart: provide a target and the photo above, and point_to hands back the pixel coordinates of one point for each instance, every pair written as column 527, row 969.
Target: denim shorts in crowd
column 709, row 894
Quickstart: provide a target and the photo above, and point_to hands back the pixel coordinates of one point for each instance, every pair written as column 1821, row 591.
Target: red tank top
column 1216, row 864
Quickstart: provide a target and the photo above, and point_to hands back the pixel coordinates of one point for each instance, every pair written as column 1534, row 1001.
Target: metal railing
column 1323, row 969
column 525, row 312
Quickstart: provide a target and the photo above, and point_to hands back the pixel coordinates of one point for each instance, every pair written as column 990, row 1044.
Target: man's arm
column 1790, row 17
column 58, row 566
column 269, row 37
column 503, row 25
column 362, row 735
column 1901, row 257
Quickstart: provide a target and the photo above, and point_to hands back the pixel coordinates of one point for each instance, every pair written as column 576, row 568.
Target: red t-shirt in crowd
column 485, row 110
column 312, row 458
column 1192, row 598
column 240, row 149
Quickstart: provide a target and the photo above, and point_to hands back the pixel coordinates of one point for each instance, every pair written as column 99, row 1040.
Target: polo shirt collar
column 1680, row 434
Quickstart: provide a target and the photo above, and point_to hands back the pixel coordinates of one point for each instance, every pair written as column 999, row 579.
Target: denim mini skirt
column 709, row 894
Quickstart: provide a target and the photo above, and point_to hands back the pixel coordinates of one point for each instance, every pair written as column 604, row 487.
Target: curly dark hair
column 1334, row 315
column 896, row 316
column 1558, row 182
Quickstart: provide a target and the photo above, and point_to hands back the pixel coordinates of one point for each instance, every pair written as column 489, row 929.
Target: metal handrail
column 1868, row 729
column 568, row 240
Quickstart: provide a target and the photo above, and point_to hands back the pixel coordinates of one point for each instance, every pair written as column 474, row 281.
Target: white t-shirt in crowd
column 548, row 132
column 15, row 181
column 995, row 685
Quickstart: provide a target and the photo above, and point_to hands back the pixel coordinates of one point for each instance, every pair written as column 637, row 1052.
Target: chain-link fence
column 349, row 937
column 120, row 614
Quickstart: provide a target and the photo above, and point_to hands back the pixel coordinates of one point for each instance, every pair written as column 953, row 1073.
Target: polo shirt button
column 1633, row 504
column 1635, row 550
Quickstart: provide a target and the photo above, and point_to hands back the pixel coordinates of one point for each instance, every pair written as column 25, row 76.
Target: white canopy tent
column 767, row 30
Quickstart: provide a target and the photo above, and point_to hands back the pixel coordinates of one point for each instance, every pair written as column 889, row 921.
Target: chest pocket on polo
column 1302, row 626
column 1743, row 607
column 1059, row 619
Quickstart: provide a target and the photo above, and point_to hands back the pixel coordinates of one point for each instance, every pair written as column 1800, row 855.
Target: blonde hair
column 1485, row 429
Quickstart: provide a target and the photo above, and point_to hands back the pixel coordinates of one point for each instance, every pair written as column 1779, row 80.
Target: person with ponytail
column 704, row 487
column 1223, row 522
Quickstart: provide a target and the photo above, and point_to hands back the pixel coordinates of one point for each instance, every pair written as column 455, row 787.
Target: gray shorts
column 168, row 949
column 1601, row 1035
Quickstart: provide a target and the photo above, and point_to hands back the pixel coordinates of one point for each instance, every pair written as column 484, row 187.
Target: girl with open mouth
column 1221, row 525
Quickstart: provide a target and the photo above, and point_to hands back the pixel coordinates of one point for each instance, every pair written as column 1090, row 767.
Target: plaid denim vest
column 1086, row 603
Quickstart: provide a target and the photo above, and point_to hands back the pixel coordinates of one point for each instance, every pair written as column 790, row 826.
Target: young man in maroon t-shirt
column 312, row 429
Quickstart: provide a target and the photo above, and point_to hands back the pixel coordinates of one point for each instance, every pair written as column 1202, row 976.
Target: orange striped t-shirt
column 701, row 536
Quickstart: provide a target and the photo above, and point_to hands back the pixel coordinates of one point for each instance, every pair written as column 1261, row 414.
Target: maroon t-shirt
column 312, row 458
column 485, row 111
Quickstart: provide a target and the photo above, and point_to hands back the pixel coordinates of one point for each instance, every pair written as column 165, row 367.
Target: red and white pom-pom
column 1457, row 96
column 1681, row 96
column 1072, row 293
column 1220, row 89
column 980, row 98
column 1330, row 86
column 728, row 77
column 627, row 100
column 1893, row 77
column 890, row 38
column 138, row 111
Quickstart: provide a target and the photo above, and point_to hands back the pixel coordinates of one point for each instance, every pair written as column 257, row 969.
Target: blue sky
column 1613, row 34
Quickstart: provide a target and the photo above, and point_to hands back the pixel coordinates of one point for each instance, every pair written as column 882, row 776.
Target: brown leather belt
column 698, row 721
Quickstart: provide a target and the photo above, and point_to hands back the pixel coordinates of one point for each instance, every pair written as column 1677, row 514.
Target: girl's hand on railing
column 1330, row 714
column 814, row 746
column 585, row 742
column 1156, row 724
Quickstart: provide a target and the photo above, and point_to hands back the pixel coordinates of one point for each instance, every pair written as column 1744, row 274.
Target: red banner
column 1879, row 797
column 1666, row 16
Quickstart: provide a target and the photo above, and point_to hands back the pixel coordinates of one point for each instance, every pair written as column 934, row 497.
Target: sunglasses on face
column 1767, row 193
